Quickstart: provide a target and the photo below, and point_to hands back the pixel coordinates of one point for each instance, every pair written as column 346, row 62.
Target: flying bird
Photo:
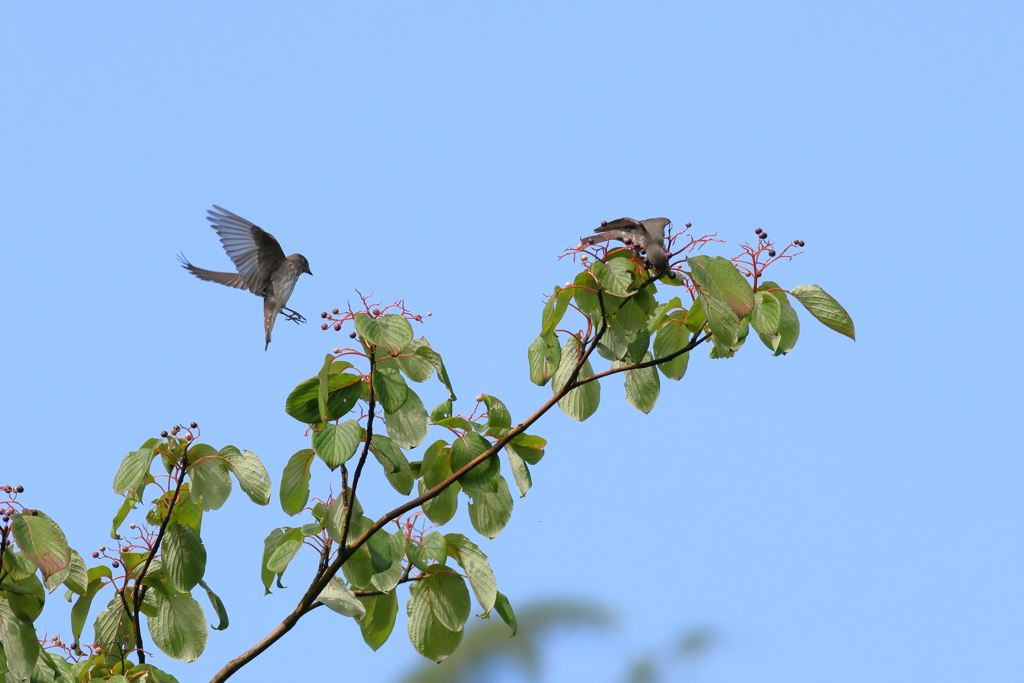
column 648, row 235
column 263, row 268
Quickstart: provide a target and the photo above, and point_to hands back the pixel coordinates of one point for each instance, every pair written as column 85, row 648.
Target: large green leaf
column 789, row 323
column 554, row 309
column 544, row 355
column 210, row 476
column 582, row 402
column 218, row 607
column 295, row 482
column 719, row 279
column 442, row 373
column 642, row 386
column 520, row 472
column 826, row 309
column 379, row 620
column 26, row 597
column 491, row 509
column 390, row 331
column 389, row 387
column 133, row 474
column 464, row 450
column 477, row 568
column 336, row 443
column 338, row 597
column 42, row 541
column 408, row 425
column 723, row 323
column 19, row 644
column 504, row 610
column 766, row 314
column 98, row 578
column 584, row 291
column 74, row 576
column 179, row 626
column 441, row 508
column 396, row 465
column 416, row 367
column 429, row 636
column 286, row 547
column 672, row 337
column 251, row 474
column 184, row 556
column 344, row 389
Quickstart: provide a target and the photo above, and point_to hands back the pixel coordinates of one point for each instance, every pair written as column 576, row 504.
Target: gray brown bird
column 648, row 234
column 263, row 268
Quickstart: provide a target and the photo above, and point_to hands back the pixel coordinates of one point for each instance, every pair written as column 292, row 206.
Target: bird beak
column 308, row 270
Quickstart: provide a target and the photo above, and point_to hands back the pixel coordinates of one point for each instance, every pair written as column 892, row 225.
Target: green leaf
column 554, row 310
column 26, row 597
column 520, row 471
column 826, row 309
column 582, row 402
column 429, row 636
column 465, row 449
column 336, row 443
column 442, row 374
column 616, row 276
column 407, row 426
column 323, row 388
column 628, row 313
column 766, row 314
column 637, row 344
column 218, row 607
column 499, row 420
column 544, row 355
column 584, row 291
column 490, row 510
column 133, row 474
column 642, row 386
column 74, row 576
column 789, row 323
column 504, row 610
column 285, row 549
column 379, row 620
column 391, row 331
column 442, row 507
column 477, row 568
column 396, row 466
column 416, row 367
column 717, row 278
column 672, row 336
column 98, row 578
column 295, row 482
column 42, row 541
column 184, row 556
column 528, row 447
column 436, row 466
column 179, row 627
column 456, row 422
column 20, row 646
column 613, row 344
column 122, row 513
column 441, row 411
column 211, row 480
column 303, row 402
column 389, row 387
column 695, row 318
column 723, row 323
column 251, row 474
column 379, row 545
column 337, row 596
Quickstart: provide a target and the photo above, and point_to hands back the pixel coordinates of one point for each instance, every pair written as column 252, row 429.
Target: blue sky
column 849, row 512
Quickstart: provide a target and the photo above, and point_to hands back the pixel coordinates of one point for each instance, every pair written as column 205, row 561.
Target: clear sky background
column 850, row 512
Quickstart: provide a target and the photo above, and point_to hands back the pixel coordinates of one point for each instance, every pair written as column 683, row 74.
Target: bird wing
column 253, row 250
column 655, row 227
column 615, row 230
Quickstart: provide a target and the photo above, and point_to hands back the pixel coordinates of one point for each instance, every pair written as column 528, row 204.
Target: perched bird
column 648, row 235
column 262, row 266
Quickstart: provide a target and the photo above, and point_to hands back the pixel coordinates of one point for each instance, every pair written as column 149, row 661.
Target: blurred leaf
column 20, row 645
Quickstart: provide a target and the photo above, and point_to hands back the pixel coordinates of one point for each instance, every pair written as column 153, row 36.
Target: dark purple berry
column 34, row 513
column 163, row 434
column 689, row 225
column 351, row 335
column 758, row 230
column 337, row 327
column 116, row 564
column 627, row 241
column 95, row 555
column 324, row 314
column 796, row 242
column 802, row 243
column 19, row 489
column 323, row 326
column 764, row 235
column 771, row 252
column 604, row 223
column 376, row 311
column 194, row 425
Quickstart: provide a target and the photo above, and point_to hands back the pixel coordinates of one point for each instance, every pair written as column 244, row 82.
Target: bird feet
column 294, row 316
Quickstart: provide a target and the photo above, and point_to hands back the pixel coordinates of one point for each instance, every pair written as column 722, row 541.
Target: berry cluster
column 177, row 428
column 7, row 511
